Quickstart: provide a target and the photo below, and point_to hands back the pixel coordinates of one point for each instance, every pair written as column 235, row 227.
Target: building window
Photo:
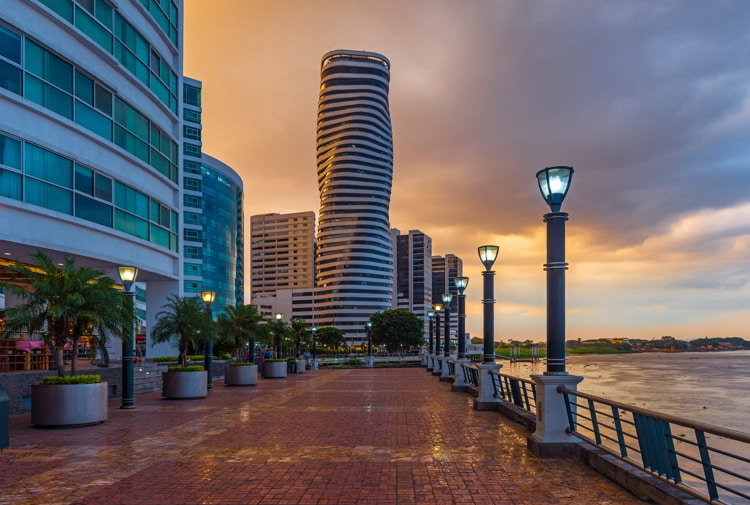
column 191, row 149
column 191, row 95
column 191, row 133
column 191, row 115
column 191, row 184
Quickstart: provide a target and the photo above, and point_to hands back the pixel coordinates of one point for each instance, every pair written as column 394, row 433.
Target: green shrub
column 226, row 355
column 165, row 359
column 242, row 364
column 193, row 368
column 74, row 379
column 354, row 361
column 280, row 360
column 291, row 359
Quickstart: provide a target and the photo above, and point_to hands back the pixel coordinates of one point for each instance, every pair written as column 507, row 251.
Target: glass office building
column 90, row 131
column 213, row 228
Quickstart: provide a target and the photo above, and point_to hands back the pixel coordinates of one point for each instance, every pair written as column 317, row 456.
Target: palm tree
column 299, row 333
column 62, row 299
column 182, row 322
column 243, row 324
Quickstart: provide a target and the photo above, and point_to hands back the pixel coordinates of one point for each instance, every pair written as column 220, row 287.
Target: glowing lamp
column 128, row 276
column 447, row 298
column 461, row 283
column 208, row 296
column 554, row 183
column 488, row 255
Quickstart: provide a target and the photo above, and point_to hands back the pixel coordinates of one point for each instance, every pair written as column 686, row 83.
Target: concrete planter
column 68, row 404
column 184, row 385
column 274, row 369
column 241, row 375
column 301, row 365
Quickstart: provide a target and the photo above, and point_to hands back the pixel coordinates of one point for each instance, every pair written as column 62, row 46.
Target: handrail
column 644, row 438
column 471, row 375
column 515, row 390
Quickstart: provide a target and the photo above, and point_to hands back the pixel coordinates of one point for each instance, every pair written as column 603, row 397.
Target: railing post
column 459, row 380
column 446, row 375
column 486, row 399
column 708, row 470
column 551, row 439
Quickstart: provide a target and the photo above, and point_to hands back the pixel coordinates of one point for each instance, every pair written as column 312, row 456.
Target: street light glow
column 554, row 183
column 208, row 296
column 488, row 255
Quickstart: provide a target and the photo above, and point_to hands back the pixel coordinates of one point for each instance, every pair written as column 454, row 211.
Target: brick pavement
column 381, row 436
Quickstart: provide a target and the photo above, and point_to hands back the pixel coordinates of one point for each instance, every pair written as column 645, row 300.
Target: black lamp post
column 315, row 344
column 431, row 315
column 447, row 299
column 369, row 339
column 461, row 283
column 488, row 255
column 127, row 277
column 208, row 299
column 278, row 335
column 554, row 183
column 438, row 308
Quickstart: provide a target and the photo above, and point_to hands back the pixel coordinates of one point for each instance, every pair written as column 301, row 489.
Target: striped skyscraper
column 354, row 260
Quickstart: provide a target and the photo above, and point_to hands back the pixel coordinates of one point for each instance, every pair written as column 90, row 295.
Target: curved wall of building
column 354, row 258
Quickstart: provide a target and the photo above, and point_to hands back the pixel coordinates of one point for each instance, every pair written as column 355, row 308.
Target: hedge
column 274, row 360
column 193, row 368
column 242, row 364
column 72, row 379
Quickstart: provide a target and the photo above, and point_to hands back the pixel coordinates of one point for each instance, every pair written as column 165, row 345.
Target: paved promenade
column 382, row 436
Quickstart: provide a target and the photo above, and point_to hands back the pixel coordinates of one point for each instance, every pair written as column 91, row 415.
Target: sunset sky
column 648, row 100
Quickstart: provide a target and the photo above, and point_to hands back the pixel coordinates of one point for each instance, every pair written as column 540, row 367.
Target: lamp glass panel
column 127, row 274
column 447, row 298
column 558, row 179
column 430, row 314
column 542, row 178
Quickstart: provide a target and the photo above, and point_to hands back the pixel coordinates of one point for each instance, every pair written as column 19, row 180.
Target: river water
column 712, row 388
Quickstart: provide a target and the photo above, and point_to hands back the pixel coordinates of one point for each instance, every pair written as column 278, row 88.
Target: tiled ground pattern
column 389, row 436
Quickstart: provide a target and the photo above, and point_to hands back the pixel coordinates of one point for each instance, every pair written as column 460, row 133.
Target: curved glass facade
column 354, row 262
column 223, row 250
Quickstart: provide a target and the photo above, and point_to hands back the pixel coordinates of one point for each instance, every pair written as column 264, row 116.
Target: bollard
column 4, row 419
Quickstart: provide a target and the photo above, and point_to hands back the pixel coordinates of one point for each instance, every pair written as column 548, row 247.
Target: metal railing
column 24, row 352
column 697, row 458
column 471, row 375
column 519, row 392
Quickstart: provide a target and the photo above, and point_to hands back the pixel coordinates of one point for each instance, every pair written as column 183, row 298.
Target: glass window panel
column 103, row 187
column 154, row 62
column 173, row 13
column 10, row 77
column 93, row 120
column 10, row 152
column 10, row 44
column 193, row 269
column 141, row 204
column 97, row 32
column 49, row 67
column 104, row 13
column 191, row 115
column 10, row 184
column 164, row 220
column 131, row 224
column 87, row 4
column 173, row 35
column 159, row 236
column 48, row 196
column 193, row 252
column 164, row 144
column 164, row 72
column 62, row 7
column 173, row 221
column 192, row 218
column 160, row 163
column 155, row 136
column 154, row 211
column 48, row 166
column 84, row 180
column 142, row 48
column 173, row 83
column 160, row 90
column 192, row 95
column 192, row 167
column 92, row 210
column 103, row 99
column 84, row 88
column 159, row 17
column 47, row 96
column 174, row 153
column 131, row 143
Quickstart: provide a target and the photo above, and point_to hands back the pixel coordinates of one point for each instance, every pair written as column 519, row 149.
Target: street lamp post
column 445, row 375
column 314, row 364
column 127, row 277
column 208, row 352
column 370, row 362
column 431, row 350
column 461, row 283
column 459, row 383
column 436, row 362
column 277, row 347
column 550, row 438
column 486, row 398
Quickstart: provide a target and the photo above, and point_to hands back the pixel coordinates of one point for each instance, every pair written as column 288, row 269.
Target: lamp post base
column 446, row 375
column 437, row 370
column 550, row 440
column 459, row 381
column 486, row 399
column 430, row 362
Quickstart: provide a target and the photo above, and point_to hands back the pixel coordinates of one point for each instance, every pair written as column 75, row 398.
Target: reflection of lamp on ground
column 208, row 298
column 550, row 438
column 127, row 277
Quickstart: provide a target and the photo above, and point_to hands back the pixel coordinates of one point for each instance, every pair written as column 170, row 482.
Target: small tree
column 299, row 333
column 182, row 322
column 242, row 324
column 66, row 302
column 397, row 329
column 330, row 337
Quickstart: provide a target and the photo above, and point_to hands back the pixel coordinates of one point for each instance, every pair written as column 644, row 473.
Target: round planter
column 68, row 404
column 241, row 375
column 184, row 385
column 274, row 369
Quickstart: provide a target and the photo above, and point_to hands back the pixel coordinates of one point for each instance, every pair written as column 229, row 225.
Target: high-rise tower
column 354, row 260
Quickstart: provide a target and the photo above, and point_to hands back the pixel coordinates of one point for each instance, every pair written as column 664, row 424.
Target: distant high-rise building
column 213, row 231
column 354, row 259
column 445, row 269
column 282, row 252
column 414, row 273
